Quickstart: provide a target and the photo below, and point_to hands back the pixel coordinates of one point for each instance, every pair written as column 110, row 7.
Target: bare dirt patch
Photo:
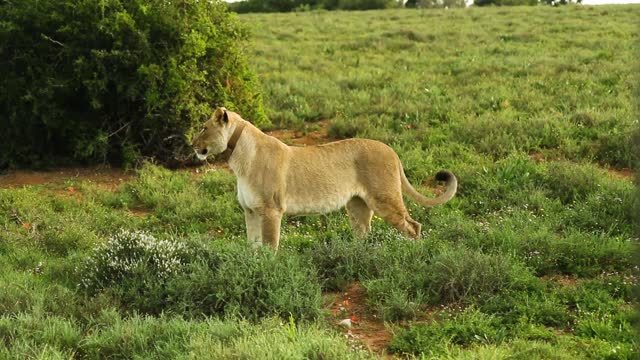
column 209, row 166
column 365, row 327
column 312, row 134
column 564, row 281
column 140, row 212
column 434, row 187
column 100, row 175
column 548, row 155
column 110, row 178
column 626, row 174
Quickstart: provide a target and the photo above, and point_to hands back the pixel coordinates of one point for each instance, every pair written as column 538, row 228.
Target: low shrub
column 132, row 257
column 465, row 329
column 342, row 260
column 588, row 297
column 570, row 182
column 515, row 308
column 366, row 4
column 451, row 275
column 605, row 326
column 462, row 275
column 153, row 276
column 228, row 279
column 341, row 128
column 500, row 134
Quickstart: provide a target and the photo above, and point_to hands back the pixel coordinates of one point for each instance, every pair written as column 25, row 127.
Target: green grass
column 489, row 81
column 109, row 335
column 530, row 107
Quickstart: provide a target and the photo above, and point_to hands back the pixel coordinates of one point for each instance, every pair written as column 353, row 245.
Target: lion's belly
column 301, row 205
column 313, row 188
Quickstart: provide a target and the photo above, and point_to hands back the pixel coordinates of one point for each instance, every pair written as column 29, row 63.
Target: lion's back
column 327, row 176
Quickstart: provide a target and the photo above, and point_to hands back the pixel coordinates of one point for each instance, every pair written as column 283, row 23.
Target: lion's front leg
column 271, row 220
column 254, row 228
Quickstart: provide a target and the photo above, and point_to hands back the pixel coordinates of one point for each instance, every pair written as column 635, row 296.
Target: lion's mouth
column 202, row 154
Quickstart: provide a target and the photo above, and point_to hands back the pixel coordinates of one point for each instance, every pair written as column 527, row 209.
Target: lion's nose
column 204, row 151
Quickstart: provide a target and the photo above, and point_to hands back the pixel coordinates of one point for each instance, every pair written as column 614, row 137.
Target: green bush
column 97, row 80
column 24, row 334
column 435, row 3
column 575, row 253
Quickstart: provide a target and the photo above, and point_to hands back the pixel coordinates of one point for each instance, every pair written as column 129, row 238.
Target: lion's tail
column 451, row 186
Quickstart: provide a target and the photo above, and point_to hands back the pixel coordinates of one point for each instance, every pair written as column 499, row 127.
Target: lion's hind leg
column 359, row 216
column 392, row 210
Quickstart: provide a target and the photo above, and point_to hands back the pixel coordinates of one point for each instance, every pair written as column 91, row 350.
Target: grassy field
column 532, row 108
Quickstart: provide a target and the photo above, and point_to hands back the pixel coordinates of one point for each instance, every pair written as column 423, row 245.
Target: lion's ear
column 220, row 115
column 225, row 117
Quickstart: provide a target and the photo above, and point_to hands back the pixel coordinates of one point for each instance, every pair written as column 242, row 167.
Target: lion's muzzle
column 201, row 153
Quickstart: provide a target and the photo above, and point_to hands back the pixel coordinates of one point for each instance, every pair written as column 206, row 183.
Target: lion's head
column 214, row 136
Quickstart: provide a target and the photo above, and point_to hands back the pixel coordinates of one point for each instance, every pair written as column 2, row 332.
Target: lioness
column 276, row 179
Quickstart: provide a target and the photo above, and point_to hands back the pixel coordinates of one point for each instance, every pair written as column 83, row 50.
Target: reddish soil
column 100, row 175
column 366, row 328
column 303, row 137
column 537, row 157
column 436, row 188
column 565, row 281
column 140, row 212
column 625, row 173
column 209, row 166
column 111, row 178
column 541, row 157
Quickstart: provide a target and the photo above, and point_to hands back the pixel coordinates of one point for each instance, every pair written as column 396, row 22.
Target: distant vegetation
column 531, row 107
column 248, row 6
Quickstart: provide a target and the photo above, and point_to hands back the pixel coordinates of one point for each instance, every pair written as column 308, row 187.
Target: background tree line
column 246, row 6
column 301, row 5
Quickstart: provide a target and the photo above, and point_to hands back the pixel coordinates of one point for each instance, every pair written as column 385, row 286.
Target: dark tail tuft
column 443, row 176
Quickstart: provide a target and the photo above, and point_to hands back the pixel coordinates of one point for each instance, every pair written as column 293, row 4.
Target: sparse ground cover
column 530, row 107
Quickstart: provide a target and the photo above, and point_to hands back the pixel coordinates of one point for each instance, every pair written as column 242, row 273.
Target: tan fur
column 274, row 179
